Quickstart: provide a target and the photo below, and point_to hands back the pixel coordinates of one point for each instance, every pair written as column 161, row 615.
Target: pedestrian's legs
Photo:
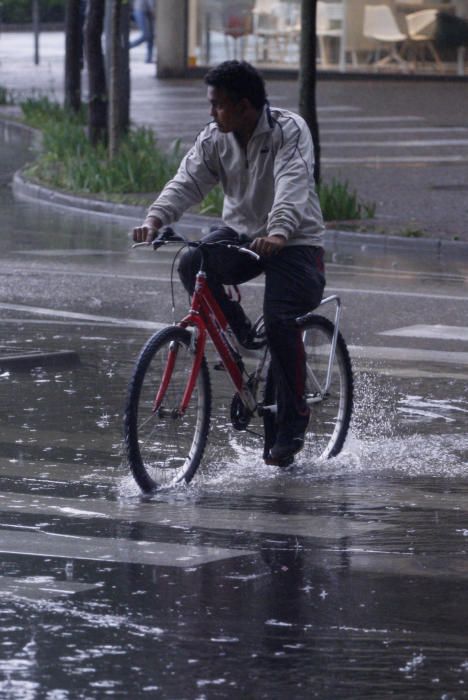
column 293, row 286
column 141, row 24
column 144, row 22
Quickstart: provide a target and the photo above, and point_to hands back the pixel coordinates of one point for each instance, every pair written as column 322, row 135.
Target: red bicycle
column 168, row 409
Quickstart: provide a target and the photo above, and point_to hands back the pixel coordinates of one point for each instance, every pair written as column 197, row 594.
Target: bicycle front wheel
column 164, row 447
column 329, row 390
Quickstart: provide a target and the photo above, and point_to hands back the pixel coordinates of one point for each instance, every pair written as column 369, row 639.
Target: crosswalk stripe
column 111, row 549
column 166, row 514
column 420, row 143
column 377, row 159
column 408, row 354
column 58, row 313
column 434, row 332
column 39, row 587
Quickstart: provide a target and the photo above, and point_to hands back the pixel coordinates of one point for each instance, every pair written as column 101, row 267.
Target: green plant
column 412, row 232
column 6, row 97
column 70, row 162
column 19, row 11
column 338, row 203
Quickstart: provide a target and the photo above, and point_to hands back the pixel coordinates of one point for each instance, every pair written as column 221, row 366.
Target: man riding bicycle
column 263, row 159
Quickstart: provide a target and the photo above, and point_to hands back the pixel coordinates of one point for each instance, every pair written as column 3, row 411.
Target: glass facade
column 400, row 36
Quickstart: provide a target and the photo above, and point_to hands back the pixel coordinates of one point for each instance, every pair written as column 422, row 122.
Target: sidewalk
column 402, row 145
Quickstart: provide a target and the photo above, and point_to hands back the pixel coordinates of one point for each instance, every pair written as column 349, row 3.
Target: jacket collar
column 265, row 123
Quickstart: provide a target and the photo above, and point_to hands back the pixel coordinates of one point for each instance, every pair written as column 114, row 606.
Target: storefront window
column 400, row 36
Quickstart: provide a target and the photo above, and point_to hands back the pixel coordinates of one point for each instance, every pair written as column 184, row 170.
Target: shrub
column 70, row 162
column 339, row 204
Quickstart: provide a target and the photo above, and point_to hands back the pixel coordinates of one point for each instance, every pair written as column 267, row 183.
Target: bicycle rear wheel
column 164, row 447
column 330, row 408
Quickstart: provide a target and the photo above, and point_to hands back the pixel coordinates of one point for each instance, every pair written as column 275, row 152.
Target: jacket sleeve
column 293, row 178
column 196, row 176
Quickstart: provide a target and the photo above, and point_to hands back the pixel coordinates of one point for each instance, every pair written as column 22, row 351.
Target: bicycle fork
column 199, row 350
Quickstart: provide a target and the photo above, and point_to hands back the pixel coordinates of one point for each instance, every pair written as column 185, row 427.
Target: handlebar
column 168, row 235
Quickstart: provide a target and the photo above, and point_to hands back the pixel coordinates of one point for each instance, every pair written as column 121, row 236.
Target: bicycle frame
column 331, row 358
column 206, row 317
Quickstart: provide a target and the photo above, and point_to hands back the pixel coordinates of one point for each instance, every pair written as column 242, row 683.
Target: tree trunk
column 118, row 73
column 124, row 109
column 308, row 76
column 97, row 101
column 114, row 79
column 73, row 55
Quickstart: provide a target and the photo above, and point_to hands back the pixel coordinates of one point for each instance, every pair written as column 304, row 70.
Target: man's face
column 228, row 114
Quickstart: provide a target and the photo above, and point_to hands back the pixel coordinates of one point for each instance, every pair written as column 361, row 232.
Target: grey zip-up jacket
column 268, row 187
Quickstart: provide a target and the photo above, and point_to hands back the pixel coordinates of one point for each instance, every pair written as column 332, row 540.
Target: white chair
column 381, row 26
column 421, row 31
column 271, row 29
column 329, row 26
column 237, row 25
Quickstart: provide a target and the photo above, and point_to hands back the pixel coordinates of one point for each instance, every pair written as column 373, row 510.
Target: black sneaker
column 289, row 441
column 244, row 333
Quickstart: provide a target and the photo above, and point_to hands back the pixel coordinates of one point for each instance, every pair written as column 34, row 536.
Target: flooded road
column 340, row 580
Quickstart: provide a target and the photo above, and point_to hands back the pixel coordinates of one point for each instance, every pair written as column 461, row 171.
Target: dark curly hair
column 239, row 79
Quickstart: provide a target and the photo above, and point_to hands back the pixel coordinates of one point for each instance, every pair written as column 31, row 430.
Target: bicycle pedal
column 219, row 367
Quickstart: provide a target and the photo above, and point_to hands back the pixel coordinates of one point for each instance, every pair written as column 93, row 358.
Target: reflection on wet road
column 340, row 580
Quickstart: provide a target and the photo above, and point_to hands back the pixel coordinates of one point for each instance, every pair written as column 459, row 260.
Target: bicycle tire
column 330, row 417
column 164, row 448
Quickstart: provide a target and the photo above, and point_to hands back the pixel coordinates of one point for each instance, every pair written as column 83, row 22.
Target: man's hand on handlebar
column 268, row 245
column 147, row 232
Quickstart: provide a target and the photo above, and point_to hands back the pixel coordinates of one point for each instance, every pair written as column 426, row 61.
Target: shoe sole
column 289, row 455
column 279, row 462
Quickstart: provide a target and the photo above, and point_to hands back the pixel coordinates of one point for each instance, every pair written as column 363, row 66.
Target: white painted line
column 128, row 322
column 42, row 544
column 408, row 355
column 40, row 587
column 377, row 120
column 376, row 160
column 436, row 332
column 419, row 143
column 338, row 108
column 397, row 130
column 177, row 515
column 390, row 293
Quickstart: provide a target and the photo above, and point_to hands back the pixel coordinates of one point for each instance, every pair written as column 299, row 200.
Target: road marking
column 377, row 120
column 112, row 549
column 436, row 332
column 41, row 587
column 59, row 313
column 420, row 143
column 399, row 564
column 188, row 516
column 377, row 160
column 393, row 293
column 408, row 355
column 397, row 130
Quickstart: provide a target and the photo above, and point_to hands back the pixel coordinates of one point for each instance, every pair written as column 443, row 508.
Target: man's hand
column 147, row 231
column 268, row 245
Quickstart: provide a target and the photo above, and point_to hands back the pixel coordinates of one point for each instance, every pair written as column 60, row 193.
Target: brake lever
column 252, row 253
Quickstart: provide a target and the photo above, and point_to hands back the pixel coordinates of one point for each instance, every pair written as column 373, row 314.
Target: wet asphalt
column 340, row 580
